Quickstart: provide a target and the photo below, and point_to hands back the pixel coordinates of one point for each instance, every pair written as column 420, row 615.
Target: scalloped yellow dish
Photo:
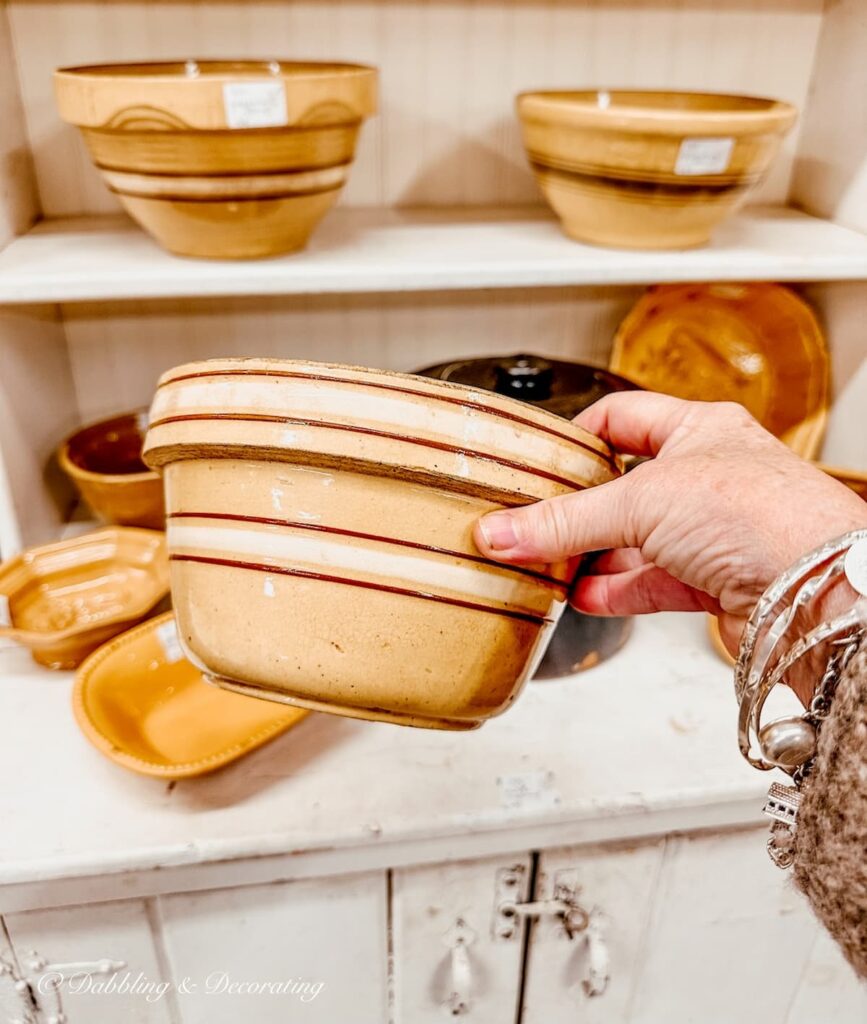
column 142, row 704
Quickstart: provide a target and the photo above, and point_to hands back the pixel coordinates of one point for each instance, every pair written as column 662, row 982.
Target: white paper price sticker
column 5, row 614
column 255, row 104
column 167, row 634
column 855, row 566
column 704, row 156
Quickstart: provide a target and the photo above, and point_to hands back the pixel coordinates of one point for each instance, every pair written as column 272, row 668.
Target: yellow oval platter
column 142, row 704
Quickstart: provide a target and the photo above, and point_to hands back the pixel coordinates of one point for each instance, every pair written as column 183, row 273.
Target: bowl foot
column 347, row 710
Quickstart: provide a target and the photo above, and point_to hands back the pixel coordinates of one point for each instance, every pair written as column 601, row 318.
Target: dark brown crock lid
column 564, row 388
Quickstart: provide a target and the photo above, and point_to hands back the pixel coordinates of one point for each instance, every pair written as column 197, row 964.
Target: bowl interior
column 110, row 448
column 629, row 100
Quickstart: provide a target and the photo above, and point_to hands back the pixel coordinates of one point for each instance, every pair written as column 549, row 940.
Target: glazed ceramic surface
column 227, row 159
column 566, row 389
column 320, row 535
column 142, row 704
column 63, row 600
column 756, row 344
column 648, row 170
column 855, row 479
column 104, row 461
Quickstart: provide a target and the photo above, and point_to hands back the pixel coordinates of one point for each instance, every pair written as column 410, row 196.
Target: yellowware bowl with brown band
column 142, row 704
column 320, row 534
column 648, row 170
column 63, row 600
column 104, row 462
column 226, row 159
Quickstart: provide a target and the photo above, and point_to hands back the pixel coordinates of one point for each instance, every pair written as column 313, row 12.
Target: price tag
column 704, row 156
column 5, row 614
column 855, row 566
column 167, row 634
column 255, row 104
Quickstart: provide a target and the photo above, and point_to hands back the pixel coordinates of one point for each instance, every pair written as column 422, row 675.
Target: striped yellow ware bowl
column 320, row 535
column 648, row 170
column 218, row 158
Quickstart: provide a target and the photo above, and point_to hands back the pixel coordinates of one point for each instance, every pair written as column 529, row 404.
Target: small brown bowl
column 104, row 462
column 63, row 600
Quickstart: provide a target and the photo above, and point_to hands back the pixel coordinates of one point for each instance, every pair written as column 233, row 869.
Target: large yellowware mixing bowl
column 229, row 159
column 320, row 534
column 648, row 170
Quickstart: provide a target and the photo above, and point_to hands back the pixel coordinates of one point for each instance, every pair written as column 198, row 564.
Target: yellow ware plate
column 757, row 344
column 143, row 705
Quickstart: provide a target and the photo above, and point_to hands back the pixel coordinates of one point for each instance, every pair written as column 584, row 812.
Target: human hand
column 720, row 510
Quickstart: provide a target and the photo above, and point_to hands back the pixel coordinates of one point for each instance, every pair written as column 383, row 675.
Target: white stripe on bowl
column 399, row 414
column 424, row 572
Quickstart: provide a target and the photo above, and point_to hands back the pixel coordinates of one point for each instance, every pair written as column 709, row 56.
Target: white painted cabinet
column 687, row 930
column 453, row 954
column 90, row 935
column 312, row 951
column 618, row 885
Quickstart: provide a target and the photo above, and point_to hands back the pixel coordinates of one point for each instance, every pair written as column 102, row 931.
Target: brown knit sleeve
column 831, row 838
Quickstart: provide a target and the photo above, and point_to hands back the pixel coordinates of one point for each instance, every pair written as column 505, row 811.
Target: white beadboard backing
column 446, row 133
column 37, row 408
column 119, row 349
column 18, row 207
column 830, row 176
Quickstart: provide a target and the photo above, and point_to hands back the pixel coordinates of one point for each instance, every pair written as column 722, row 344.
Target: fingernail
column 498, row 531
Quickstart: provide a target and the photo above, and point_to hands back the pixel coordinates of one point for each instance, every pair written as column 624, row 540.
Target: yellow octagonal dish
column 142, row 704
column 63, row 600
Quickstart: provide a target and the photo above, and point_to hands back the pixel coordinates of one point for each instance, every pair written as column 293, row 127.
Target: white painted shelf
column 374, row 250
column 336, row 795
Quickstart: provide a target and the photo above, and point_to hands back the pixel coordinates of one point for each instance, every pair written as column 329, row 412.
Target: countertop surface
column 647, row 735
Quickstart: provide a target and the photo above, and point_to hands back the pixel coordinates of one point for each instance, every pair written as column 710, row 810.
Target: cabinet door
column 453, row 954
column 619, row 882
column 137, row 993
column 829, row 990
column 314, row 951
column 729, row 939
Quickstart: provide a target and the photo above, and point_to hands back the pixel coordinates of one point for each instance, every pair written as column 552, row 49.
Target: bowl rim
column 154, row 540
column 289, row 70
column 559, row 431
column 72, row 469
column 159, row 769
column 576, row 108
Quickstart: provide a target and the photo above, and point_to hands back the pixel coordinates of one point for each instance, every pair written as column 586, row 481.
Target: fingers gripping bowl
column 320, row 534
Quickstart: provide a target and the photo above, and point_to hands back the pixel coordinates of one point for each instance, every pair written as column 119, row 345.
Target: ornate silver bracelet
column 768, row 653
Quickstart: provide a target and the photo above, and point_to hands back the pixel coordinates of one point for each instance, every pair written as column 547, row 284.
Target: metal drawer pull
column 459, row 938
column 598, row 957
column 576, row 921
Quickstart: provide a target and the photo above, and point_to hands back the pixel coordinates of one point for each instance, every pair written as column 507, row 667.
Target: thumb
column 557, row 529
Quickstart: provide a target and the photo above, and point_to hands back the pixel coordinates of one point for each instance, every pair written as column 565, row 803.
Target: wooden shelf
column 373, row 250
column 439, row 795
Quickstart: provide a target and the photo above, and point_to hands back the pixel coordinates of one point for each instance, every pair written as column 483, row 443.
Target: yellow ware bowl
column 648, row 170
column 63, row 600
column 142, row 704
column 225, row 159
column 756, row 344
column 104, row 462
column 320, row 534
